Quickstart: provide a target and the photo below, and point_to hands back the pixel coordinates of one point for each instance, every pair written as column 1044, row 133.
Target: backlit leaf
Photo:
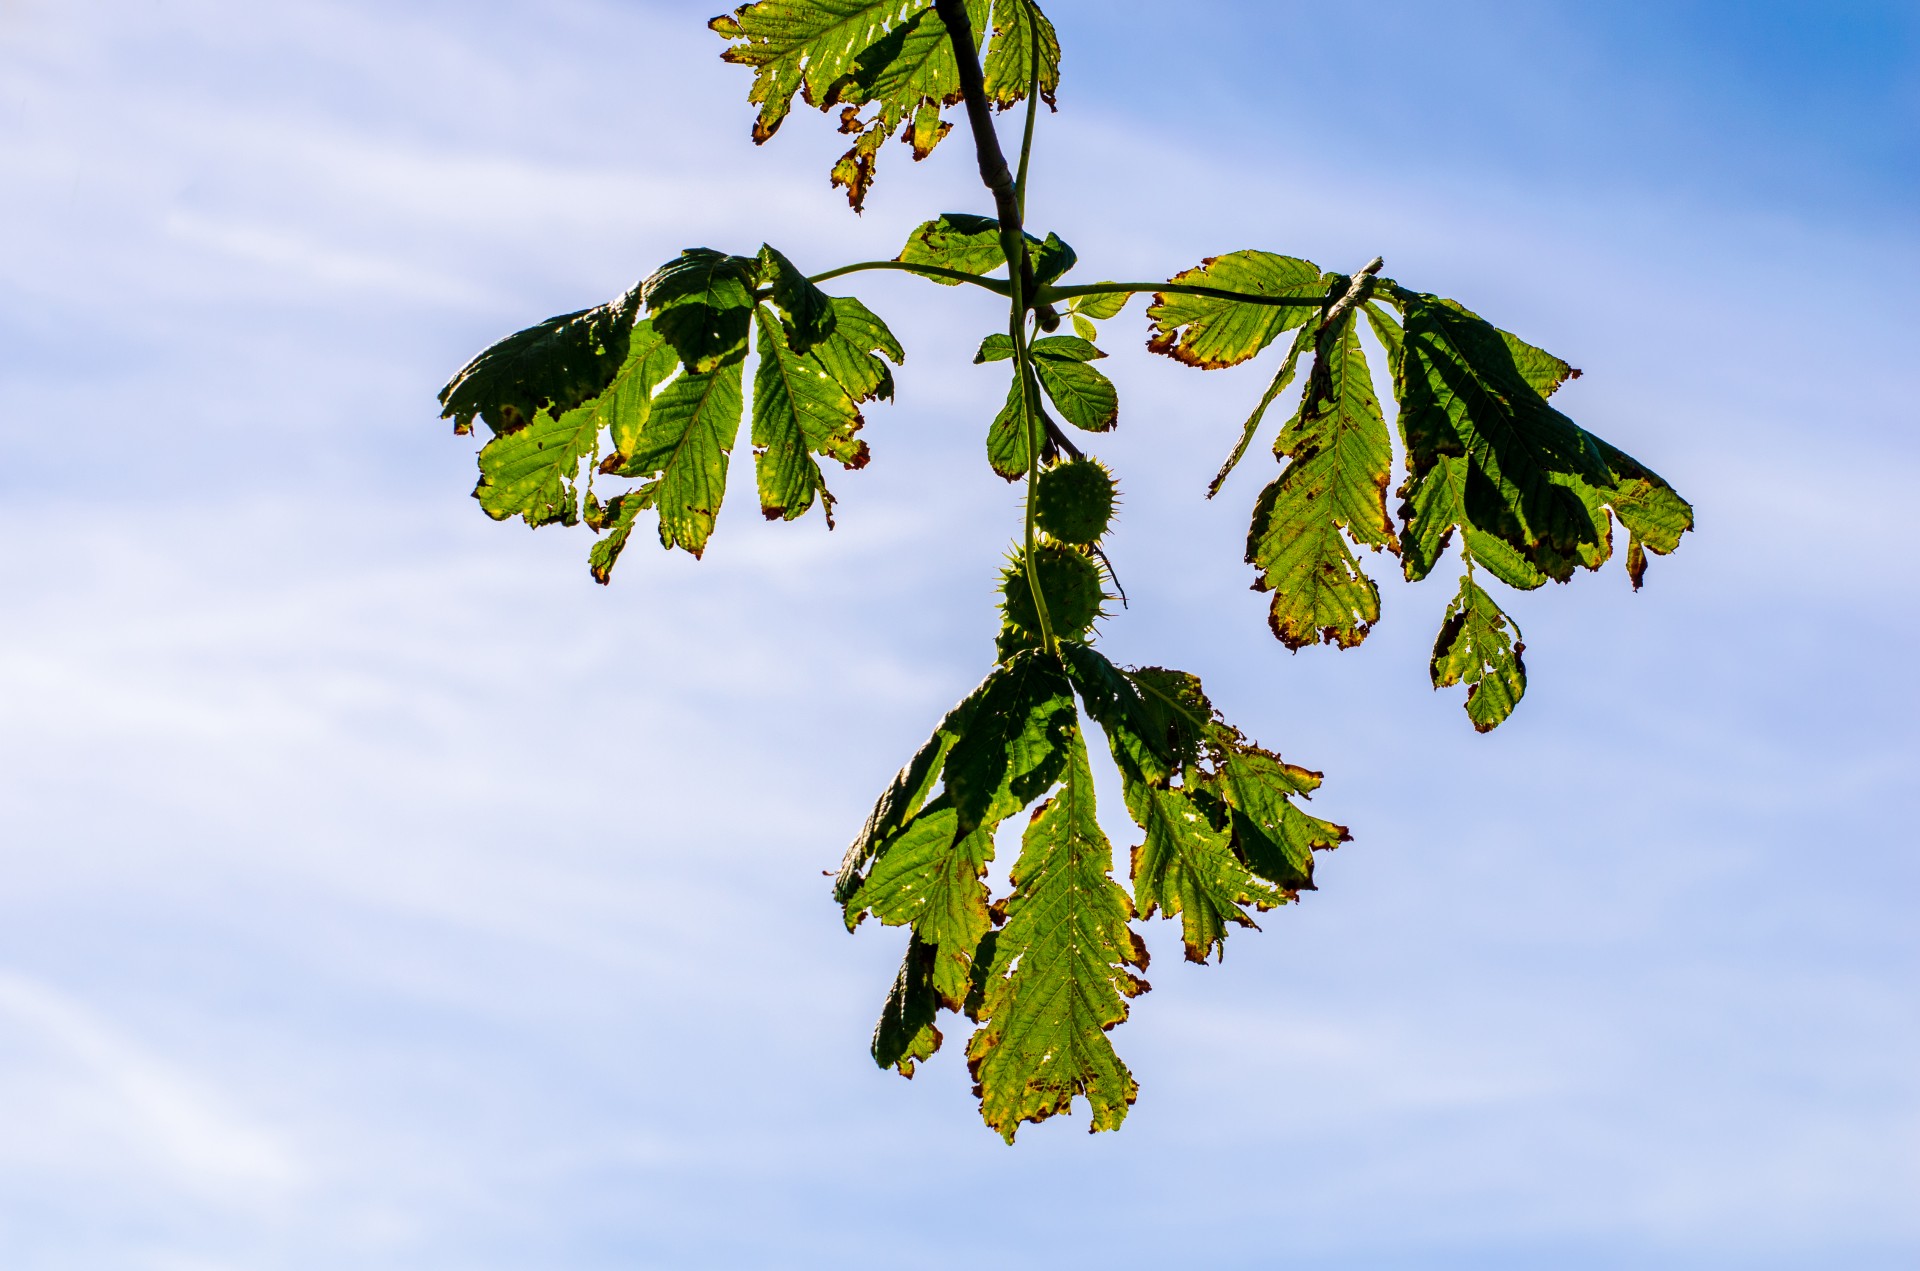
column 702, row 303
column 1023, row 41
column 906, row 1033
column 1086, row 398
column 807, row 309
column 1333, row 490
column 799, row 411
column 1187, row 868
column 554, row 366
column 1475, row 649
column 615, row 519
column 686, row 442
column 1215, row 331
column 531, row 473
column 1059, row 977
column 1009, row 444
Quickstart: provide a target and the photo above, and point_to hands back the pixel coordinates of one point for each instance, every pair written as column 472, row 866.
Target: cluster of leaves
column 888, row 67
column 658, row 400
column 1047, row 970
column 1532, row 495
column 650, row 389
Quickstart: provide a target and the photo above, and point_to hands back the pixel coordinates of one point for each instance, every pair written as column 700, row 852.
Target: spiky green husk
column 1073, row 501
column 1068, row 579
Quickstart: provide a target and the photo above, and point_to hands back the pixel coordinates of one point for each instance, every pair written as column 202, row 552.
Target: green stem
column 1050, row 294
column 998, row 286
column 1033, row 109
column 1029, row 420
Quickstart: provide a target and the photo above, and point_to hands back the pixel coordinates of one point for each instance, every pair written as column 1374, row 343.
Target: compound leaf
column 1059, row 976
column 553, row 366
column 1333, row 489
column 1475, row 649
column 1216, row 331
column 887, row 64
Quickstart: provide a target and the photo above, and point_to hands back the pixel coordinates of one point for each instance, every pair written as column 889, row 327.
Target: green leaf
column 1272, row 834
column 956, row 240
column 921, row 862
column 906, row 1033
column 616, row 519
column 1475, row 649
column 702, row 303
column 1010, row 754
column 1542, row 371
column 805, row 47
column 799, row 411
column 1100, row 306
column 907, row 77
column 904, row 797
column 930, row 877
column 554, row 366
column 1187, row 868
column 1485, row 452
column 1059, row 976
column 997, row 347
column 1085, row 329
column 1137, row 733
column 1333, row 490
column 971, row 245
column 1008, row 448
column 688, row 437
column 1178, row 707
column 1281, row 378
column 1051, row 259
column 888, row 65
column 1212, row 331
column 1064, row 348
column 532, row 472
column 807, row 309
column 852, row 353
column 1021, row 35
column 1462, row 394
column 1086, row 398
column 624, row 408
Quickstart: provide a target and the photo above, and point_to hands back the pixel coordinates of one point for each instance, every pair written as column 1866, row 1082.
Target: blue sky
column 376, row 891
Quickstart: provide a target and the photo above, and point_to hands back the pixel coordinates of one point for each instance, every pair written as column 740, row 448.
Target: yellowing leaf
column 1059, row 977
column 1475, row 649
column 1211, row 331
column 1333, row 489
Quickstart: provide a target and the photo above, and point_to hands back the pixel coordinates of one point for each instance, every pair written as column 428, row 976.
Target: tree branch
column 994, row 173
